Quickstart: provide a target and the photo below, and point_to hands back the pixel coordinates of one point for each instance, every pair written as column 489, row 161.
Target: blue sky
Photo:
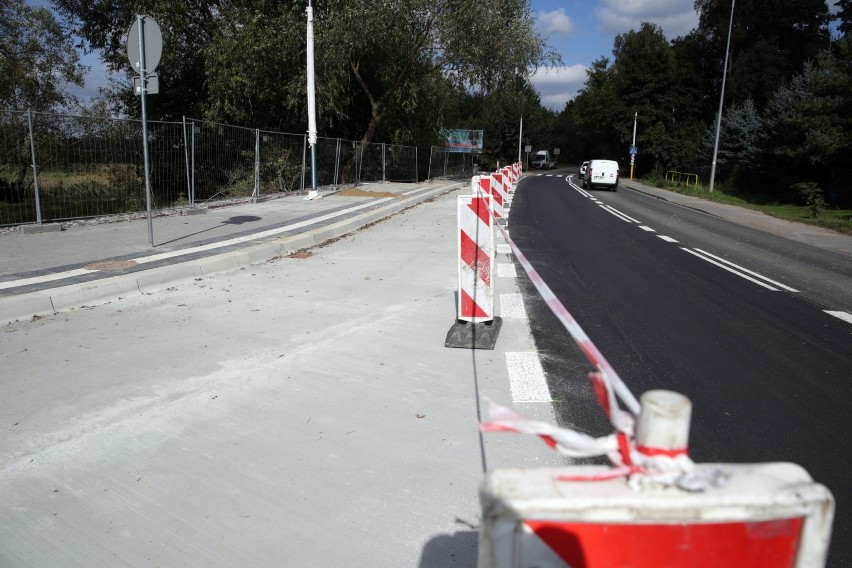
column 583, row 30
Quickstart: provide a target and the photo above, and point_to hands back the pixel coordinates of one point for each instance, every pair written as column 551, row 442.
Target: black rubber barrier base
column 467, row 335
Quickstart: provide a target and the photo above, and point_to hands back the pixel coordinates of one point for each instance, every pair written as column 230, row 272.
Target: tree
column 37, row 64
column 594, row 111
column 37, row 59
column 770, row 41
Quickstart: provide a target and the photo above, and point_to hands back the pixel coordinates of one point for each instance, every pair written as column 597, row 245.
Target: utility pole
column 721, row 101
column 633, row 144
column 312, row 105
column 520, row 137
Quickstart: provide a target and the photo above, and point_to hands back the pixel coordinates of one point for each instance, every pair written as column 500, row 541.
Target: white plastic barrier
column 765, row 515
column 476, row 255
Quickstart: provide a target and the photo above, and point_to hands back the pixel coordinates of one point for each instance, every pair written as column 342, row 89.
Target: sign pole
column 143, row 83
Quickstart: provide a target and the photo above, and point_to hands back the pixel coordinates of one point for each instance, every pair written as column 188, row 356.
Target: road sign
column 556, row 151
column 152, row 82
column 634, row 150
column 527, row 148
column 153, row 44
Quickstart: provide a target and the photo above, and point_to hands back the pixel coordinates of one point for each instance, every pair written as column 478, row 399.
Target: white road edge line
column 746, row 270
column 731, row 270
column 512, row 306
column 845, row 316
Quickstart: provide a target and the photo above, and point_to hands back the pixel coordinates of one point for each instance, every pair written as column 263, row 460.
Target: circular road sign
column 153, row 44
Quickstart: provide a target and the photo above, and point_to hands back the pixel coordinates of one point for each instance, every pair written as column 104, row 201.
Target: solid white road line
column 526, row 377
column 845, row 316
column 747, row 271
column 729, row 269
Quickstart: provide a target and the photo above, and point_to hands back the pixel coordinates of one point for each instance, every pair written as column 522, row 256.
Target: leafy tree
column 37, row 59
column 594, row 111
column 770, row 41
column 37, row 64
column 741, row 142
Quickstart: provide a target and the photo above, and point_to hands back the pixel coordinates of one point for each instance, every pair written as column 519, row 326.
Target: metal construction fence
column 60, row 167
column 444, row 163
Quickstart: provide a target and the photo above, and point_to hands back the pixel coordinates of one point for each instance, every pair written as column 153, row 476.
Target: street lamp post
column 633, row 144
column 312, row 106
column 721, row 101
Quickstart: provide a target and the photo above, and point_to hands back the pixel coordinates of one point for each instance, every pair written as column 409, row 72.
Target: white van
column 602, row 173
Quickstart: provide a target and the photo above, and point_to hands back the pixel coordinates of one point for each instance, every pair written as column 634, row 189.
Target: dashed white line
column 526, row 377
column 845, row 316
column 646, row 228
column 512, row 306
column 503, row 249
column 667, row 239
column 506, row 270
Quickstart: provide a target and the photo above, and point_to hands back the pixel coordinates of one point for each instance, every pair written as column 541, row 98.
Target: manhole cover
column 109, row 265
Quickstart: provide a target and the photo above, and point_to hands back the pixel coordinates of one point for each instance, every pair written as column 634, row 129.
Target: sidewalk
column 54, row 271
column 298, row 411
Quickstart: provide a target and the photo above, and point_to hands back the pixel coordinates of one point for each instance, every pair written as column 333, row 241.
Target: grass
column 839, row 220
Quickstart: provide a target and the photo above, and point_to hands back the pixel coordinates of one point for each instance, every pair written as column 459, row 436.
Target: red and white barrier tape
column 661, row 465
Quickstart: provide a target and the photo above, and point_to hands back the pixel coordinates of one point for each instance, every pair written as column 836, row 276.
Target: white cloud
column 556, row 22
column 558, row 85
column 675, row 17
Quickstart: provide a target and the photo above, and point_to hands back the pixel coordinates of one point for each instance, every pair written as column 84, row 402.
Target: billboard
column 462, row 140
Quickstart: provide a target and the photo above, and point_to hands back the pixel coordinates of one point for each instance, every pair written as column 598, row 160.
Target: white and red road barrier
column 497, row 192
column 767, row 515
column 476, row 255
column 654, row 506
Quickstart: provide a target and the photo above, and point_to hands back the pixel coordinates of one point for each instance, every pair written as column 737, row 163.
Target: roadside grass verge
column 828, row 217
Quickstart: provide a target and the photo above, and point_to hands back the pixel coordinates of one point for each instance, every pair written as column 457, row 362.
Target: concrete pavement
column 241, row 406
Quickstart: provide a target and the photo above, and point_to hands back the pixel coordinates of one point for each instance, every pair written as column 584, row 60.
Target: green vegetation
column 811, row 208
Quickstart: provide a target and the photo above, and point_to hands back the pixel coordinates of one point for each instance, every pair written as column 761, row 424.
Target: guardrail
column 682, row 178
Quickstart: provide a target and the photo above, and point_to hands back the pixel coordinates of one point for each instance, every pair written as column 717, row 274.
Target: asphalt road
column 731, row 317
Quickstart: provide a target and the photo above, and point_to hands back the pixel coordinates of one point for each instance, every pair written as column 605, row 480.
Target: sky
column 581, row 31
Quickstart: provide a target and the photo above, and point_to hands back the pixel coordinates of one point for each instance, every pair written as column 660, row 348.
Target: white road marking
column 503, row 249
column 622, row 213
column 646, row 228
column 729, row 269
column 667, row 239
column 506, row 270
column 45, row 278
column 526, row 377
column 512, row 306
column 747, row 271
column 845, row 316
column 615, row 212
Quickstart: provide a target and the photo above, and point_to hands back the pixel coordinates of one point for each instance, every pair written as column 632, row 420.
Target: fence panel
column 93, row 166
column 281, row 158
column 452, row 165
column 17, row 198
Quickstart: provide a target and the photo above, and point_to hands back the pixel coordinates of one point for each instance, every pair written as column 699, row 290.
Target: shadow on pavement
column 457, row 549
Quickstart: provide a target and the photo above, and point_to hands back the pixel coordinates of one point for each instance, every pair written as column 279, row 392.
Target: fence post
column 359, row 149
column 384, row 162
column 256, row 192
column 304, row 152
column 192, row 185
column 35, row 167
column 186, row 158
column 416, row 165
column 336, row 162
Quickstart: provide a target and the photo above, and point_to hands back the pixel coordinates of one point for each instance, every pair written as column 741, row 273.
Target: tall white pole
column 143, row 84
column 721, row 100
column 520, row 138
column 312, row 105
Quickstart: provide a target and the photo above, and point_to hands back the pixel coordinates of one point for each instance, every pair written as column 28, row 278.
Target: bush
column 810, row 195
